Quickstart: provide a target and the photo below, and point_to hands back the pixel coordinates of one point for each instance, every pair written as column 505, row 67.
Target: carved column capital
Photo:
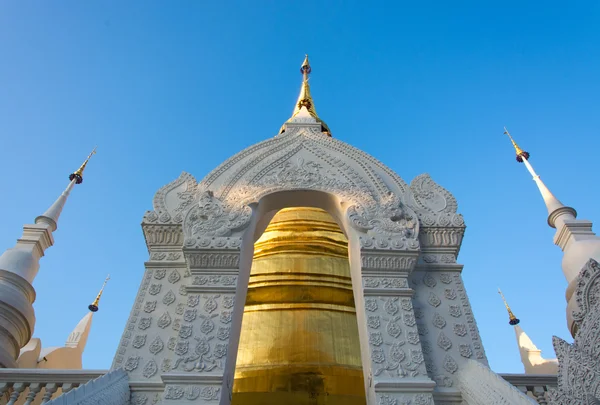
column 386, row 262
column 202, row 260
column 163, row 235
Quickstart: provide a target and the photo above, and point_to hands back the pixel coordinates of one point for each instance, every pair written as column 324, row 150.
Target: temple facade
column 302, row 271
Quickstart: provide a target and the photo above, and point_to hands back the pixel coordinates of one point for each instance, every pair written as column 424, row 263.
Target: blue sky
column 424, row 87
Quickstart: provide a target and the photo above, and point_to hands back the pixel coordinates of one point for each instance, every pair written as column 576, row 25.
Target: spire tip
column 305, row 68
column 93, row 307
column 521, row 154
column 512, row 319
column 78, row 174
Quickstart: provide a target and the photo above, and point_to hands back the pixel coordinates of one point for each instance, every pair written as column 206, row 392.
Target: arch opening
column 299, row 340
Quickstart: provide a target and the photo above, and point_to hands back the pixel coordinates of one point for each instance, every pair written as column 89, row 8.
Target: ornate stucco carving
column 375, row 260
column 578, row 366
column 213, row 260
column 110, row 388
column 302, row 160
column 391, row 325
column 441, row 226
column 379, row 203
column 428, row 196
column 165, row 235
column 449, row 334
column 172, row 200
column 481, row 386
column 162, row 226
column 182, row 324
column 587, row 293
column 210, row 216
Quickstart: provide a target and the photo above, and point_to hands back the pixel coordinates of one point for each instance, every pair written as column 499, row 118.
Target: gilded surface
column 305, row 99
column 299, row 340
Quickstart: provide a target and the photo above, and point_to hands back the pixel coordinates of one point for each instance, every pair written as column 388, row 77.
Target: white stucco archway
column 304, row 168
column 201, row 236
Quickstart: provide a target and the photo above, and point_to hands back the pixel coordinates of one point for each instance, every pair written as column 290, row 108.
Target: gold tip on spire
column 513, row 320
column 94, row 305
column 305, row 68
column 78, row 174
column 305, row 98
column 521, row 154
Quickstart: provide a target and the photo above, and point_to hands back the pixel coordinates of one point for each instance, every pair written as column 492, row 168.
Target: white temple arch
column 403, row 239
column 205, row 233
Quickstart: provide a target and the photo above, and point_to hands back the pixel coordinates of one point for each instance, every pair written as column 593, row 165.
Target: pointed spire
column 513, row 320
column 78, row 174
column 554, row 206
column 305, row 99
column 521, row 154
column 23, row 261
column 51, row 215
column 94, row 305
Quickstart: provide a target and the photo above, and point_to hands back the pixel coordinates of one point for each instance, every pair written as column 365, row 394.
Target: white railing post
column 18, row 388
column 540, row 395
column 50, row 389
column 34, row 389
column 3, row 390
column 536, row 385
column 66, row 387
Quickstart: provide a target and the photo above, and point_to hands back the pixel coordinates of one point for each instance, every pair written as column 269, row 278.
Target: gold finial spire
column 94, row 305
column 305, row 68
column 513, row 320
column 305, row 98
column 78, row 174
column 521, row 154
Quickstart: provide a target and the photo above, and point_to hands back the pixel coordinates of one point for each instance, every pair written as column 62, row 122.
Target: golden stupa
column 299, row 339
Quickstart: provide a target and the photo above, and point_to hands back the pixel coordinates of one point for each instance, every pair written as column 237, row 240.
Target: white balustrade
column 38, row 386
column 533, row 385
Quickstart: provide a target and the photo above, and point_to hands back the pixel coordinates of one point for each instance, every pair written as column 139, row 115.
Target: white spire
column 555, row 208
column 23, row 259
column 51, row 215
column 531, row 356
column 69, row 356
column 574, row 236
column 18, row 268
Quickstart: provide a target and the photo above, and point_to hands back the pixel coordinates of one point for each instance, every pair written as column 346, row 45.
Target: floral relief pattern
column 149, row 306
column 389, row 353
column 154, row 289
column 443, row 299
column 433, row 300
column 203, row 334
column 138, row 341
column 169, row 298
column 133, row 319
